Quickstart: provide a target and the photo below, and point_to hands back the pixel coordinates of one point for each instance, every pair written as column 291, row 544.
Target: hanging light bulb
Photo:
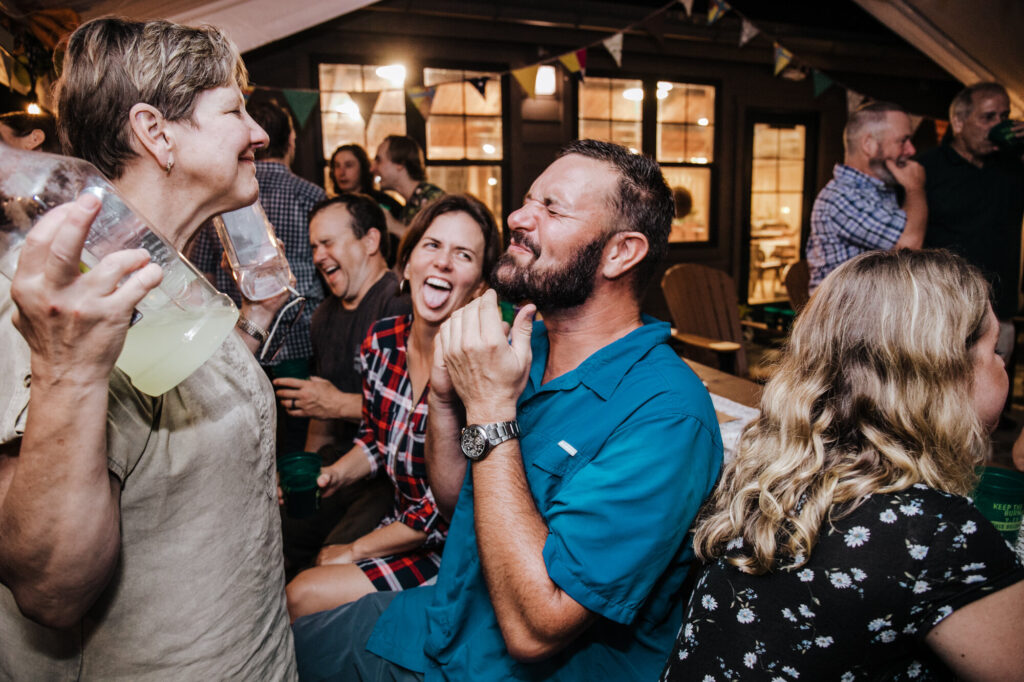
column 392, row 73
column 545, row 83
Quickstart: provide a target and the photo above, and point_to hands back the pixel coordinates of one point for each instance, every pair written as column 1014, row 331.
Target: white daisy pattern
column 879, row 575
column 879, row 623
column 857, row 536
column 840, row 579
column 918, row 551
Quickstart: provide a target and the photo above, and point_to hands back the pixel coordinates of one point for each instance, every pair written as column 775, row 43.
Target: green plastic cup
column 1000, row 498
column 297, row 473
column 296, row 368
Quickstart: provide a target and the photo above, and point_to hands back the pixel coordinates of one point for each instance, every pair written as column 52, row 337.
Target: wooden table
column 742, row 391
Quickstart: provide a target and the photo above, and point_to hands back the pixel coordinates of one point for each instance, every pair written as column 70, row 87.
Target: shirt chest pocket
column 550, row 462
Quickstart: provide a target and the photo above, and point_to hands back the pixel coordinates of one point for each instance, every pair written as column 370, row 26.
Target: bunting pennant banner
column 301, row 103
column 853, row 99
column 527, row 77
column 688, row 4
column 6, row 41
column 480, row 84
column 782, row 57
column 614, row 47
column 5, row 78
column 915, row 121
column 422, row 98
column 575, row 62
column 821, row 82
column 717, row 10
column 366, row 101
column 747, row 32
column 21, row 79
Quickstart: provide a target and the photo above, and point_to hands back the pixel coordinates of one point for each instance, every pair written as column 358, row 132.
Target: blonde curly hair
column 872, row 395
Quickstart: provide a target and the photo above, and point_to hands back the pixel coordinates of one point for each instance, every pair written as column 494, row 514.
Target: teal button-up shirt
column 619, row 454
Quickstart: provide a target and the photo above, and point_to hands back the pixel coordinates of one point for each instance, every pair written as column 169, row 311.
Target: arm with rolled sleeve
column 616, row 526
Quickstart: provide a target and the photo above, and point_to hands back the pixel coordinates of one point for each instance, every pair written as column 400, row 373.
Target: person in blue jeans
column 571, row 457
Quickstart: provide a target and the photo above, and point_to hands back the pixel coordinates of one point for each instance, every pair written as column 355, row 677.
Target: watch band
column 499, row 432
column 252, row 329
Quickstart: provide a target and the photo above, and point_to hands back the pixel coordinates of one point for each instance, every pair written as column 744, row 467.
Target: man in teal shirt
column 589, row 449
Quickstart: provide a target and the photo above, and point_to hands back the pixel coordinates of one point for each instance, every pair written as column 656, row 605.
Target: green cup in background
column 297, row 473
column 296, row 368
column 1000, row 498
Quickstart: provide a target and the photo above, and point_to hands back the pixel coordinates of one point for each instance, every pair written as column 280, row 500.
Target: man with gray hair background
column 858, row 210
column 975, row 195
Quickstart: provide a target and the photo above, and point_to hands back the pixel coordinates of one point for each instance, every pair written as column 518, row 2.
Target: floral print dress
column 877, row 581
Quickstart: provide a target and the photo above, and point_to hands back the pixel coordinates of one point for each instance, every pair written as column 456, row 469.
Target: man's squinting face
column 987, row 110
column 558, row 235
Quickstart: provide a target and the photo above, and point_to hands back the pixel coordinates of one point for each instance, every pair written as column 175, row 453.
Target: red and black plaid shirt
column 393, row 428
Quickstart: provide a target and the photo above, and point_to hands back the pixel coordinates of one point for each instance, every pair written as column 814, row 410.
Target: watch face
column 474, row 441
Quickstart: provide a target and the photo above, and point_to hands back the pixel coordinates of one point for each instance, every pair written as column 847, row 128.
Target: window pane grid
column 776, row 207
column 342, row 120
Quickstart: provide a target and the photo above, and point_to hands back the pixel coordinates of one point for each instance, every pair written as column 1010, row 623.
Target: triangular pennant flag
column 915, row 121
column 717, row 10
column 688, row 4
column 575, row 62
column 422, row 98
column 5, row 78
column 782, row 57
column 654, row 25
column 301, row 103
column 480, row 84
column 747, row 32
column 821, row 82
column 366, row 101
column 614, row 47
column 853, row 100
column 527, row 77
column 21, row 80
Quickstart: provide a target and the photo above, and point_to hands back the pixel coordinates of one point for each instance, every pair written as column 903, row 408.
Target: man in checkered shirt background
column 287, row 200
column 858, row 210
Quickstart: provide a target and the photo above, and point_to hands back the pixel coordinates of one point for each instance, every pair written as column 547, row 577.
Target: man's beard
column 567, row 287
column 882, row 171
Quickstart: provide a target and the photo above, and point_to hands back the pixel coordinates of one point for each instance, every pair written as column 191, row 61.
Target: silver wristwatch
column 479, row 439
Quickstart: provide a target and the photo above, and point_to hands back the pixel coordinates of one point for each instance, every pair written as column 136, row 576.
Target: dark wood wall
column 500, row 36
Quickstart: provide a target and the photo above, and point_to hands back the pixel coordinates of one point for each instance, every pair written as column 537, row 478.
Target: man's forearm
column 348, row 406
column 537, row 618
column 446, row 465
column 59, row 506
column 916, row 208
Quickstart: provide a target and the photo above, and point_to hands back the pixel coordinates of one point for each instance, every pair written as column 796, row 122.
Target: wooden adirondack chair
column 706, row 315
column 798, row 281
